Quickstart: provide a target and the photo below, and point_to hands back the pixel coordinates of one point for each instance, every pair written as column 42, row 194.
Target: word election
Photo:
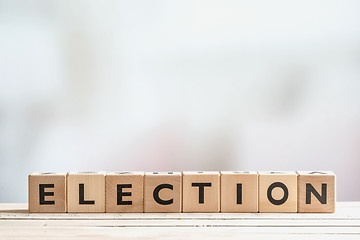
column 226, row 191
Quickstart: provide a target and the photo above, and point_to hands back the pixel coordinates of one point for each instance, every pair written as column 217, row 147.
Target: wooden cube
column 47, row 192
column 162, row 192
column 201, row 191
column 86, row 192
column 316, row 191
column 124, row 192
column 277, row 192
column 239, row 191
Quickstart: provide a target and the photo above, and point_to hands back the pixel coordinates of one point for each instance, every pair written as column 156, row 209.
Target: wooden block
column 277, row 192
column 201, row 191
column 316, row 191
column 239, row 191
column 162, row 192
column 86, row 192
column 47, row 192
column 124, row 192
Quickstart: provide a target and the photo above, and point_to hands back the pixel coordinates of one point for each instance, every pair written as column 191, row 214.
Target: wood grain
column 231, row 199
column 94, row 191
column 172, row 197
column 133, row 199
column 57, row 188
column 17, row 223
column 318, row 180
column 191, row 193
column 266, row 180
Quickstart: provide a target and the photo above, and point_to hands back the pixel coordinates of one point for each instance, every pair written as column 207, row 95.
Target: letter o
column 283, row 199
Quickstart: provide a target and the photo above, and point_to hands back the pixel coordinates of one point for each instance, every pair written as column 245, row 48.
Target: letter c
column 156, row 194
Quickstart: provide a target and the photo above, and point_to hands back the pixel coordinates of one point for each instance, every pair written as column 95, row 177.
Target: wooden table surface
column 17, row 223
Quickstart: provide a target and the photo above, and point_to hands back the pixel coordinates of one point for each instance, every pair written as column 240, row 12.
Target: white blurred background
column 179, row 85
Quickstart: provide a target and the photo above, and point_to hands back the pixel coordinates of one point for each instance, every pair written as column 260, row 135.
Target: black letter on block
column 156, row 194
column 239, row 193
column 284, row 198
column 310, row 189
column 201, row 190
column 120, row 194
column 42, row 194
column 81, row 195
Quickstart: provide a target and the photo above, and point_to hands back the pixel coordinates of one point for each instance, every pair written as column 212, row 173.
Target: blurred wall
column 179, row 85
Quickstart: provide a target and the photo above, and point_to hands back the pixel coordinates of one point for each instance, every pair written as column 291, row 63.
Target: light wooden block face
column 162, row 192
column 47, row 192
column 124, row 192
column 316, row 191
column 201, row 191
column 86, row 192
column 239, row 191
column 277, row 192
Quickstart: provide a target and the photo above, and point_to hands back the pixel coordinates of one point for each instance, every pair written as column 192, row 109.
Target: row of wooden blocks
column 226, row 191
